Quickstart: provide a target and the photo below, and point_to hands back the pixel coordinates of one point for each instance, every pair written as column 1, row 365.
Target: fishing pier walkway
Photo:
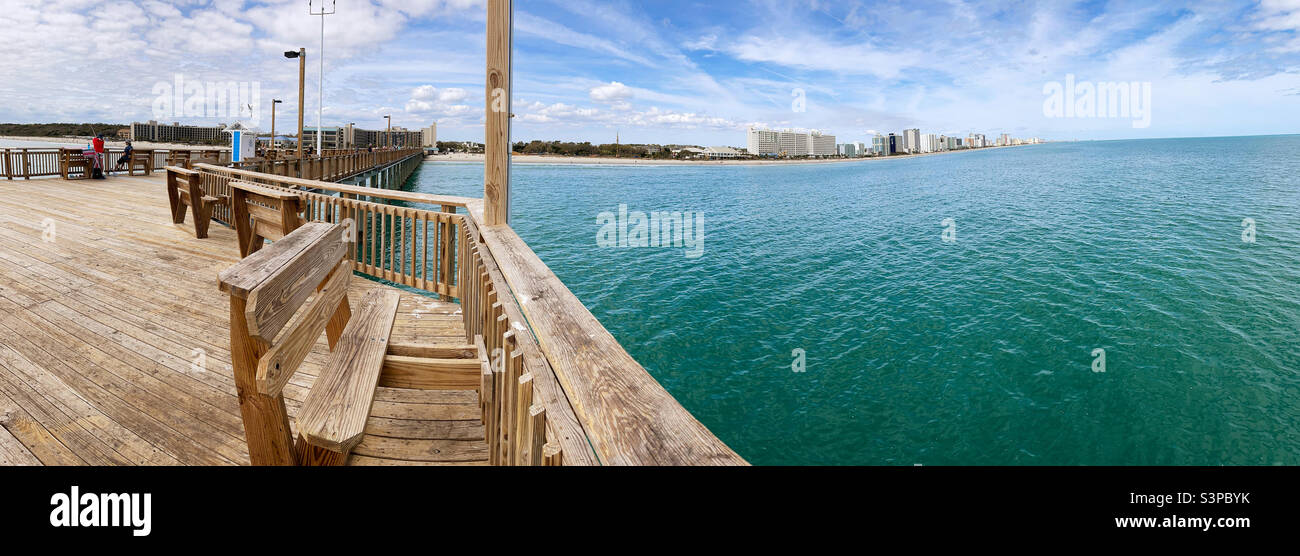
column 116, row 339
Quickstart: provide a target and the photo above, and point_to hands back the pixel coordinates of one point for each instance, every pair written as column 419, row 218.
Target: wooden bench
column 262, row 213
column 184, row 190
column 179, row 157
column 142, row 160
column 308, row 269
column 74, row 165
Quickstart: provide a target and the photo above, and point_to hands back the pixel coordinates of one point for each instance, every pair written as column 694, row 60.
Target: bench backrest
column 262, row 213
column 267, row 343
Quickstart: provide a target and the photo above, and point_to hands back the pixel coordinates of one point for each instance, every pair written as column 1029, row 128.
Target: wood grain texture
column 496, row 171
column 334, row 414
column 423, row 373
column 273, row 302
column 280, row 363
column 115, row 345
column 246, row 275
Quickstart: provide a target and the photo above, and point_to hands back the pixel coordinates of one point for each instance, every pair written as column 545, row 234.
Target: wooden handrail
column 628, row 416
column 299, row 183
column 600, row 405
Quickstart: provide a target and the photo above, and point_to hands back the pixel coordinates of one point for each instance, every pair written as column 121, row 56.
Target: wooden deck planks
column 101, row 329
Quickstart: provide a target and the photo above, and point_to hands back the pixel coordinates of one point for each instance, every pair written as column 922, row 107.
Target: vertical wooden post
column 302, row 75
column 27, row 166
column 496, row 170
column 9, row 166
column 266, row 422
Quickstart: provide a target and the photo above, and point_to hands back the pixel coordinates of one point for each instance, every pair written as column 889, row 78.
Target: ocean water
column 974, row 351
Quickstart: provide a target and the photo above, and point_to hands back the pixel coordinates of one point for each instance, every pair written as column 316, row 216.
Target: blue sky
column 675, row 71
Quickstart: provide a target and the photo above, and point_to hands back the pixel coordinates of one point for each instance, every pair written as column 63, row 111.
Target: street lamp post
column 301, row 55
column 320, row 107
column 274, row 102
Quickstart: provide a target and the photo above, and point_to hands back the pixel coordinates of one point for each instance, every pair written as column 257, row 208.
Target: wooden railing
column 35, row 163
column 286, row 173
column 549, row 355
column 336, row 165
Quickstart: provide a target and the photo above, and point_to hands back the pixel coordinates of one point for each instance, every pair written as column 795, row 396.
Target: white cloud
column 612, row 92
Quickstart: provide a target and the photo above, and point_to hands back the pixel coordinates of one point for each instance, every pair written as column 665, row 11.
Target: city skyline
column 680, row 72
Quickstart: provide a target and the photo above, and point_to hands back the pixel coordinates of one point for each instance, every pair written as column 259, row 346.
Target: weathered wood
column 280, row 363
column 496, row 169
column 422, row 373
column 273, row 302
column 334, row 414
column 266, row 421
column 243, row 277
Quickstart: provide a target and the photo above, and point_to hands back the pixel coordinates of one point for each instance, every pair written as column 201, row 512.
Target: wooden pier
column 114, row 341
column 118, row 347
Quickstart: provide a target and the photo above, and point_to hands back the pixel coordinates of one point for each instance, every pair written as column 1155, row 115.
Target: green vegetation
column 587, row 149
column 60, row 130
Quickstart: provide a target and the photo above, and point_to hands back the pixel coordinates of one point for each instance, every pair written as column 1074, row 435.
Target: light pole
column 320, row 108
column 388, row 139
column 301, row 55
column 274, row 102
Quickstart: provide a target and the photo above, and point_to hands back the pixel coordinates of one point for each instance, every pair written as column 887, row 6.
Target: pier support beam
column 496, row 140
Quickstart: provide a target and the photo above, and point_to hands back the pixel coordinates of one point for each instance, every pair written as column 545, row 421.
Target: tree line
column 60, row 129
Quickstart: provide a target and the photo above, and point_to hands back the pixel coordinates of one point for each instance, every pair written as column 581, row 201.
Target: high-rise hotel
column 787, row 142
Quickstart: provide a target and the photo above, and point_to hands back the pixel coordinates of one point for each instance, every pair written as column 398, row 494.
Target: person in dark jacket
column 125, row 158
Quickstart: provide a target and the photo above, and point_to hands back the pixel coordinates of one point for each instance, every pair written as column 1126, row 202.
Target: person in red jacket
column 98, row 144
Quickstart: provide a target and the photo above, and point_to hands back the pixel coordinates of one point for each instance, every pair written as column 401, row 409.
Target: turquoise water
column 978, row 351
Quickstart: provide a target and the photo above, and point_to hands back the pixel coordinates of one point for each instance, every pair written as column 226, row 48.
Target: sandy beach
column 585, row 160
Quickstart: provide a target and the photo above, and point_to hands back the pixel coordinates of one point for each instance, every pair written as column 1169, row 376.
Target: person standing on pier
column 98, row 144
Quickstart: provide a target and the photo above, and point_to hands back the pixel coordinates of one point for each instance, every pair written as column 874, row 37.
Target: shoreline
column 603, row 161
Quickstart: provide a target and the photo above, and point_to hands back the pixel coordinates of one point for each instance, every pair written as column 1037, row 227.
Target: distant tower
column 616, row 143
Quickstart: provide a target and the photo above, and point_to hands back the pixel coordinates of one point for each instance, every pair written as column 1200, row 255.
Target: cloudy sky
column 670, row 71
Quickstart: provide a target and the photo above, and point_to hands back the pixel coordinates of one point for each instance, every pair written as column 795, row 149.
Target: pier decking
column 115, row 345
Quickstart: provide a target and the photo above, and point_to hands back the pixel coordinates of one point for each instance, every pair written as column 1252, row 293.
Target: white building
column 788, row 142
column 763, row 142
column 722, row 152
column 792, row 143
column 912, row 140
column 429, row 136
column 929, row 143
column 821, row 145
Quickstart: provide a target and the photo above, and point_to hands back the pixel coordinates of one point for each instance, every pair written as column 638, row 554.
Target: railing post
column 9, row 170
column 496, row 174
column 27, row 166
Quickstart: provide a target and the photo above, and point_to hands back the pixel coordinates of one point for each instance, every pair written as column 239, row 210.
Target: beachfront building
column 929, row 143
column 763, row 142
column 791, row 143
column 429, row 136
column 721, row 153
column 331, row 137
column 356, row 138
column 821, row 145
column 847, row 149
column 788, row 142
column 175, row 132
column 912, row 140
column 878, row 145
